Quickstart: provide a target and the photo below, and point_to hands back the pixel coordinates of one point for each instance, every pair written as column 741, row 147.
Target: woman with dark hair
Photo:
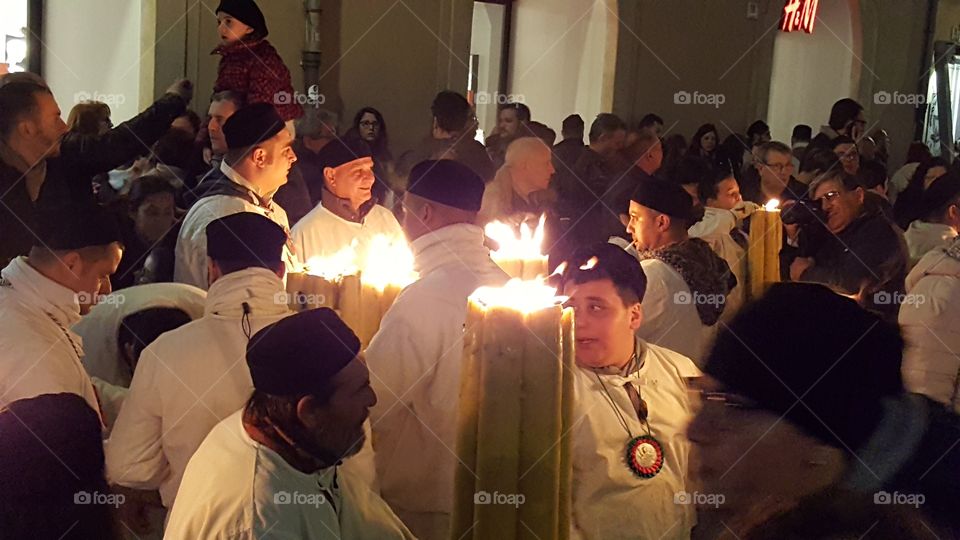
column 917, row 153
column 90, row 118
column 704, row 142
column 148, row 224
column 908, row 206
column 369, row 125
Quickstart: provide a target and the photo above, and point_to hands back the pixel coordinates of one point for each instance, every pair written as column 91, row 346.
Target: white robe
column 670, row 318
column 234, row 487
column 414, row 363
column 187, row 381
column 190, row 266
column 716, row 229
column 321, row 233
column 39, row 354
column 609, row 501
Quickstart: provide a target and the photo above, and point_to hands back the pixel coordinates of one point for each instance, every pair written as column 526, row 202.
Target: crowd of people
column 155, row 381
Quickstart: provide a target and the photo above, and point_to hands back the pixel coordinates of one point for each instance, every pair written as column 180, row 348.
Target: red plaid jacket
column 256, row 70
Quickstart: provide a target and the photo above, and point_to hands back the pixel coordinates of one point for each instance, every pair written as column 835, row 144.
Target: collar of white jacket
column 41, row 292
column 459, row 243
column 259, row 288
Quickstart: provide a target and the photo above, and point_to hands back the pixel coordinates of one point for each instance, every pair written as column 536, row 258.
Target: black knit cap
column 802, row 340
column 342, row 151
column 447, row 182
column 299, row 354
column 246, row 237
column 247, row 12
column 75, row 226
column 664, row 197
column 252, row 125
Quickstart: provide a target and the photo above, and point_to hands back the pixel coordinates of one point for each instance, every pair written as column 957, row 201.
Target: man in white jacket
column 258, row 158
column 687, row 283
column 190, row 379
column 930, row 321
column 43, row 294
column 346, row 212
column 272, row 469
column 631, row 408
column 414, row 359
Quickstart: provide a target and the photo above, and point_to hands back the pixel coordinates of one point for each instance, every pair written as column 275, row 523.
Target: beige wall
column 391, row 55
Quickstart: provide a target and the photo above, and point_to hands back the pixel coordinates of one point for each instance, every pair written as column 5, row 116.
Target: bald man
column 520, row 183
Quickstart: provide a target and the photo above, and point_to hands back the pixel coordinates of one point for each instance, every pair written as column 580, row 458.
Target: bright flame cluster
column 772, row 205
column 382, row 262
column 523, row 296
column 528, row 245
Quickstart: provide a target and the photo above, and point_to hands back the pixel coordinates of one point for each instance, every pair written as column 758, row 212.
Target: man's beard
column 306, row 441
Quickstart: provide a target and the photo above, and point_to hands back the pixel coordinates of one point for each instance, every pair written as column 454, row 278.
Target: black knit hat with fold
column 447, row 182
column 813, row 356
column 251, row 125
column 75, row 226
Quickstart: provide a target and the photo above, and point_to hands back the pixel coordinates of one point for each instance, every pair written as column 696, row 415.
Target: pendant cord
column 623, row 421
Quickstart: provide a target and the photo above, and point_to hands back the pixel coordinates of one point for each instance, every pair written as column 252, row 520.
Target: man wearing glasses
column 865, row 254
column 847, row 152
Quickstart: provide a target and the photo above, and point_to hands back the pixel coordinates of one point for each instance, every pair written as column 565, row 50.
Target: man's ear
column 329, row 177
column 307, row 410
column 636, row 316
column 72, row 260
column 663, row 222
column 259, row 155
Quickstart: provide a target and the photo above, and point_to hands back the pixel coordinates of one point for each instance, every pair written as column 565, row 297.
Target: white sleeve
column 134, row 452
column 655, row 326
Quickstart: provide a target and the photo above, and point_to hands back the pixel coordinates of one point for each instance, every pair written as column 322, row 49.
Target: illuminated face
column 604, row 325
column 353, row 181
column 280, row 157
column 369, row 127
column 775, row 172
column 219, row 112
column 849, row 157
column 709, row 141
column 842, row 206
column 646, row 226
column 728, row 194
column 539, row 168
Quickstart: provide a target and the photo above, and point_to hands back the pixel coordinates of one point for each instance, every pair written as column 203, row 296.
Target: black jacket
column 69, row 176
column 870, row 257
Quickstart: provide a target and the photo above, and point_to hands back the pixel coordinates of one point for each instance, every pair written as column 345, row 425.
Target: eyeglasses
column 849, row 156
column 779, row 167
column 829, row 197
column 369, row 124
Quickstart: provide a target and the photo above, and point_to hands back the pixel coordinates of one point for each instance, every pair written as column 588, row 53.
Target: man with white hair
column 519, row 185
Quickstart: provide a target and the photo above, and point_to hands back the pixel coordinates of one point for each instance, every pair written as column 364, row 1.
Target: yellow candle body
column 305, row 291
column 763, row 250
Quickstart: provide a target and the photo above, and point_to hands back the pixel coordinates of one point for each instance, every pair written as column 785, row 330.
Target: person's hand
column 182, row 88
column 744, row 209
column 4, row 69
column 799, row 266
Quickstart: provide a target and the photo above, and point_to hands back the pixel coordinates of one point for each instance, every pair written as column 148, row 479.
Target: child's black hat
column 247, row 12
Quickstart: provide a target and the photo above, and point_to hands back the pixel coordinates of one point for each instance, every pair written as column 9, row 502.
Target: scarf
column 702, row 270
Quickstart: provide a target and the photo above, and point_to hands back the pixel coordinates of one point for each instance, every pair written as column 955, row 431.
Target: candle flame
column 772, row 205
column 561, row 268
column 388, row 262
column 590, row 264
column 527, row 245
column 336, row 266
column 523, row 296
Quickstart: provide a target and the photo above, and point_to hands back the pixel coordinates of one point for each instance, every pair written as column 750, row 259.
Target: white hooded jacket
column 923, row 237
column 190, row 266
column 930, row 322
column 188, row 380
column 716, row 229
column 39, row 354
column 414, row 363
